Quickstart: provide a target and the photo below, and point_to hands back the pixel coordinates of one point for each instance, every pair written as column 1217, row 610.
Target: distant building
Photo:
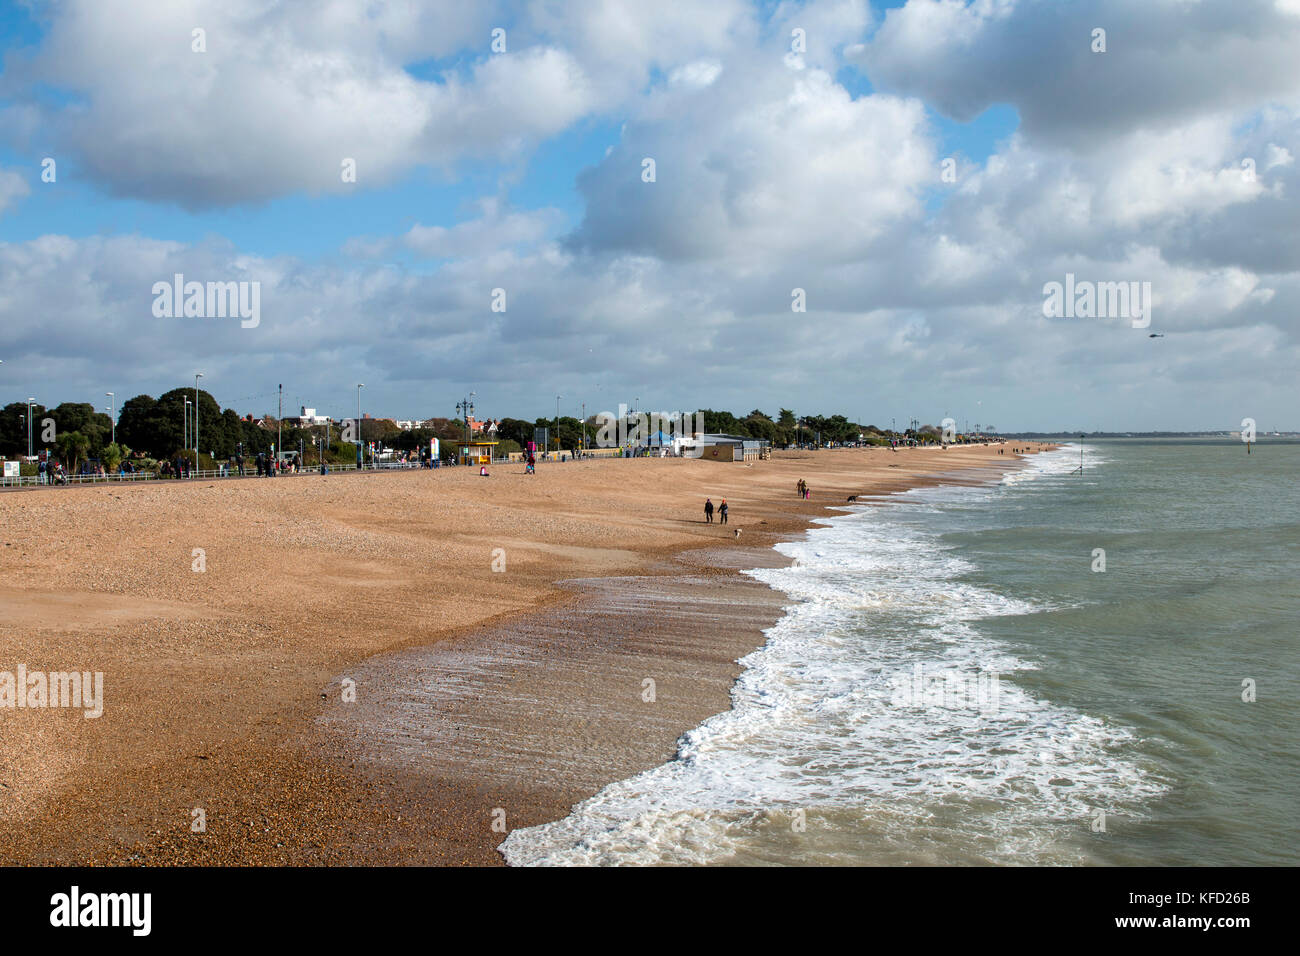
column 721, row 447
column 411, row 424
column 308, row 416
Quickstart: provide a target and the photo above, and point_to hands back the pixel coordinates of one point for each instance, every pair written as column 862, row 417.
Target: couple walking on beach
column 708, row 511
column 802, row 489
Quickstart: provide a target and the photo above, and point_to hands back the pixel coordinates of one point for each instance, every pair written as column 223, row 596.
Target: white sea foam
column 1055, row 464
column 819, row 726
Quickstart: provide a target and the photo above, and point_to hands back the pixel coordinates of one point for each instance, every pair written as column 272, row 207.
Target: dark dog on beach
column 851, row 498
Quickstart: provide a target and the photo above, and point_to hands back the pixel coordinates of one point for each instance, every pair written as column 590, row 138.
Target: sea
column 1058, row 668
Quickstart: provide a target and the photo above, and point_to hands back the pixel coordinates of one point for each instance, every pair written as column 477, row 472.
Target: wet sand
column 483, row 698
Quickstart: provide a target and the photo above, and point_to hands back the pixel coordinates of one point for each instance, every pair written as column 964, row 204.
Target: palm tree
column 72, row 447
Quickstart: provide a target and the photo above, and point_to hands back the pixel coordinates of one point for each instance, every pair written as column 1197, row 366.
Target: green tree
column 82, row 417
column 232, row 433
column 72, row 448
column 760, row 426
column 724, row 422
column 111, row 457
column 516, row 430
column 136, row 424
column 13, row 428
column 73, row 416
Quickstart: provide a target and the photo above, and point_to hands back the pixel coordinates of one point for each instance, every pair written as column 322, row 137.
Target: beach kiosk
column 476, row 452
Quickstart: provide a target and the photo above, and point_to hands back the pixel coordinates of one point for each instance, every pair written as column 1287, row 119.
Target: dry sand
column 521, row 690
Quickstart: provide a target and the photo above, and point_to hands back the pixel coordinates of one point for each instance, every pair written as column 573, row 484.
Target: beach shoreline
column 484, row 699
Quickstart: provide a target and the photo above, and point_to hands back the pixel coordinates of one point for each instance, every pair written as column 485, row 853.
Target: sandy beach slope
column 482, row 695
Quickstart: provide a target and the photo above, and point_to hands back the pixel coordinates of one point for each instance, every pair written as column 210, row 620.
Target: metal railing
column 250, row 471
column 230, row 471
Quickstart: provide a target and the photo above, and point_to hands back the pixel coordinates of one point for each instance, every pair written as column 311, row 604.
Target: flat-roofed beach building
column 722, row 447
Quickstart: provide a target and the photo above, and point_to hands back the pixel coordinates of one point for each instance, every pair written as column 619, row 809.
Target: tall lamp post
column 466, row 407
column 197, row 376
column 359, row 388
column 31, row 403
column 112, row 407
column 186, row 437
column 557, row 425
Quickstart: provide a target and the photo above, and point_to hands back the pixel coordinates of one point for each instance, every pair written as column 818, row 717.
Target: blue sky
column 318, row 225
column 521, row 171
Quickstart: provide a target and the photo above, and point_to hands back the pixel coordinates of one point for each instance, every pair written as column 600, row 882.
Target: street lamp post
column 112, row 406
column 197, row 376
column 359, row 388
column 31, row 403
column 185, row 439
column 465, row 407
column 557, row 425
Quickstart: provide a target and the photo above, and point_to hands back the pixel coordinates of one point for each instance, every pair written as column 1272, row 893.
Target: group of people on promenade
column 51, row 473
column 721, row 509
column 268, row 467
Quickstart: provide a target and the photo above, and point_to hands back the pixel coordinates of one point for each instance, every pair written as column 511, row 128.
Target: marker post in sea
column 1079, row 470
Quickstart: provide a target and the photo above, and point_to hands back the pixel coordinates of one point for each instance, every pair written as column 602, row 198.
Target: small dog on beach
column 851, row 498
column 737, row 532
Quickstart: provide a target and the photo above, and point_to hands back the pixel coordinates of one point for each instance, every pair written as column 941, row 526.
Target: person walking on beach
column 722, row 512
column 708, row 511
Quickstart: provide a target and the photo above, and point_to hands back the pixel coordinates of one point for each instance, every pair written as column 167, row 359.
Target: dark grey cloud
column 1166, row 61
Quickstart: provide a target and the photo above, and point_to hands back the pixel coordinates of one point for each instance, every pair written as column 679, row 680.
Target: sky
column 916, row 174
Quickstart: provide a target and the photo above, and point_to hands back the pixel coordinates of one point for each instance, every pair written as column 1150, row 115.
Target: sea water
column 1058, row 668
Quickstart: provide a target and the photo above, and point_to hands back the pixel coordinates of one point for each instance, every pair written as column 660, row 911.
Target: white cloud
column 1278, row 156
column 1166, row 61
column 283, row 94
column 480, row 237
column 763, row 162
column 13, row 187
column 767, row 178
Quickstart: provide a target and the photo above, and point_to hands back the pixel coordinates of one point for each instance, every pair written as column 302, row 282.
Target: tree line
column 155, row 428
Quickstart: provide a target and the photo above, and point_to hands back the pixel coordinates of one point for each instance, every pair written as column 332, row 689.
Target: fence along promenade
column 33, row 481
column 232, row 472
